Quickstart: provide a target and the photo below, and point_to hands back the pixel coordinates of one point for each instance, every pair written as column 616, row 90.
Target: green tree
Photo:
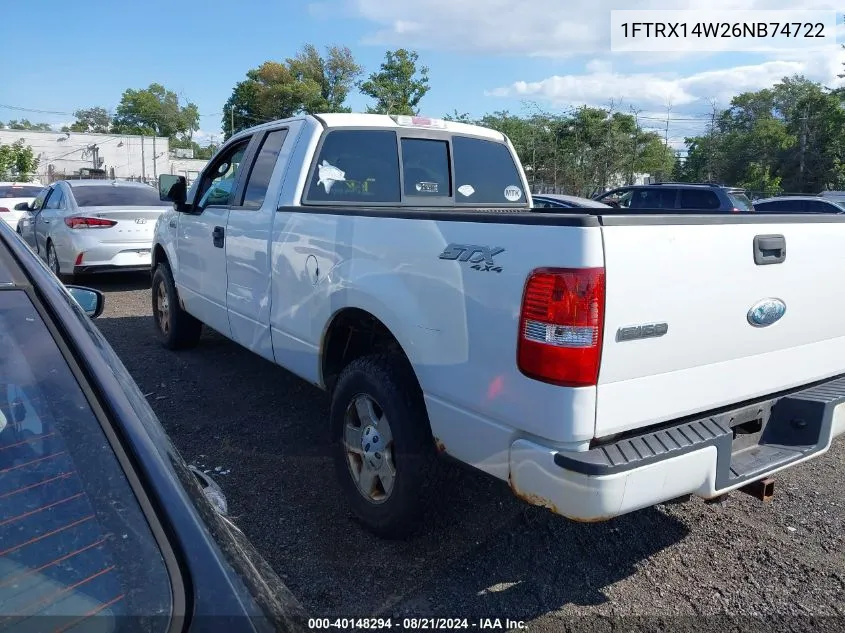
column 25, row 124
column 17, row 160
column 94, row 120
column 399, row 85
column 307, row 82
column 155, row 111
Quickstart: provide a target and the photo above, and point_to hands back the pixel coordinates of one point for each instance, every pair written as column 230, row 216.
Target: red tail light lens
column 4, row 210
column 89, row 223
column 560, row 327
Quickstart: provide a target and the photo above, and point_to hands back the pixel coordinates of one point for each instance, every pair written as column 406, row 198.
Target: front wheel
column 383, row 449
column 176, row 328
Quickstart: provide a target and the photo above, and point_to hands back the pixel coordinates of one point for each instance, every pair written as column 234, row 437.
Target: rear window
column 74, row 543
column 117, row 196
column 425, row 166
column 359, row 166
column 485, row 173
column 741, row 201
column 19, row 191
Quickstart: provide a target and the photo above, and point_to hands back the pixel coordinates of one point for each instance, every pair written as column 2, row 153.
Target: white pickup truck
column 598, row 362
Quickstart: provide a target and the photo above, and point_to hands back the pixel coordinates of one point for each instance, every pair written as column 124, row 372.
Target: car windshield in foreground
column 76, row 552
column 117, row 196
column 741, row 201
column 19, row 191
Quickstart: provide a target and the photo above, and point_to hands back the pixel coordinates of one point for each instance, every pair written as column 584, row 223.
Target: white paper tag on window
column 466, row 190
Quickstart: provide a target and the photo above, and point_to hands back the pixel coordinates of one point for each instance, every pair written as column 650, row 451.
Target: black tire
column 390, row 382
column 176, row 328
column 55, row 266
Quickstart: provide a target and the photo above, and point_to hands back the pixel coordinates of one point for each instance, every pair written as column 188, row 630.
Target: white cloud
column 651, row 88
column 551, row 28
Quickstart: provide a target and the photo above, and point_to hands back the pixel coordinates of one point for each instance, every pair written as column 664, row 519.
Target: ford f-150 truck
column 596, row 360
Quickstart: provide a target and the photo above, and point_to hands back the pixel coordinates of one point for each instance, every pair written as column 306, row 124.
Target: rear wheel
column 53, row 264
column 383, row 449
column 176, row 328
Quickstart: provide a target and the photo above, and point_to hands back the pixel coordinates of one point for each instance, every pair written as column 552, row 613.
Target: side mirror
column 173, row 189
column 22, row 206
column 90, row 300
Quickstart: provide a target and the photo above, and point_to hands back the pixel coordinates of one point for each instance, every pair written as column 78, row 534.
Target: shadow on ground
column 114, row 282
column 262, row 433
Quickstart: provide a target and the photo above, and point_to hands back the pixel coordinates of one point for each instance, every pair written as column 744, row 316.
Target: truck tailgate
column 700, row 279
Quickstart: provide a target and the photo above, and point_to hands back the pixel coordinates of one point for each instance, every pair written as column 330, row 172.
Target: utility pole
column 802, row 160
column 607, row 143
column 710, row 143
column 636, row 144
column 666, row 134
column 155, row 172
column 143, row 161
column 231, row 120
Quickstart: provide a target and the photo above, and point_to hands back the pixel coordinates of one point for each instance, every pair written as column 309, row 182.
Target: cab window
column 360, row 166
column 218, row 182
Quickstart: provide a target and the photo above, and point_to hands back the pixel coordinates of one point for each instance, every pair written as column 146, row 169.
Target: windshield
column 19, row 191
column 117, row 196
column 73, row 540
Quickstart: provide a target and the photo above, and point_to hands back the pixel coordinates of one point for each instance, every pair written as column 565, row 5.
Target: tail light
column 560, row 326
column 4, row 210
column 89, row 223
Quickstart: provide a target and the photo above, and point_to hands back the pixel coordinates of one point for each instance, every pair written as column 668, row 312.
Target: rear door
column 248, row 234
column 201, row 274
column 682, row 298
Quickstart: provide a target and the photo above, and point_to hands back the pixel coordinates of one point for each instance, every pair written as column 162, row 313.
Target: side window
column 778, row 206
column 219, row 180
column 262, row 169
column 74, row 542
column 425, row 168
column 39, row 200
column 818, row 206
column 356, row 166
column 699, row 199
column 485, row 173
column 653, row 198
column 55, row 200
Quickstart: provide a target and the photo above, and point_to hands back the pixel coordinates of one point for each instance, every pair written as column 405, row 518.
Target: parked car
column 93, row 226
column 559, row 201
column 598, row 362
column 683, row 197
column 103, row 526
column 836, row 196
column 15, row 198
column 798, row 204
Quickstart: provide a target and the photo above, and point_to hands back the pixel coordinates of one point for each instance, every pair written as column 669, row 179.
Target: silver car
column 93, row 226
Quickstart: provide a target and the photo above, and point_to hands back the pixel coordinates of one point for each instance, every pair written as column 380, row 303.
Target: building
column 121, row 156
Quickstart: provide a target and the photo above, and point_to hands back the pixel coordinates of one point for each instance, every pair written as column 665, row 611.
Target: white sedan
column 93, row 226
column 13, row 195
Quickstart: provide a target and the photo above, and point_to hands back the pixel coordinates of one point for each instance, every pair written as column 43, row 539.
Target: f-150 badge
column 481, row 257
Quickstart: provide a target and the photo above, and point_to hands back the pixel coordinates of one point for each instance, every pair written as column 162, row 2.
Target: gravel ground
column 262, row 433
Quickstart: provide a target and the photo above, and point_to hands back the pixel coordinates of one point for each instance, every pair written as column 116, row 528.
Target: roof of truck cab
column 341, row 120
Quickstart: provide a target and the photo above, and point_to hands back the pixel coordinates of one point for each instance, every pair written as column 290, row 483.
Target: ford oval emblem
column 766, row 311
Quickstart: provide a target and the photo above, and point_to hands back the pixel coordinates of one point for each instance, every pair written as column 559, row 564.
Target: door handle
column 217, row 236
column 769, row 249
column 45, row 221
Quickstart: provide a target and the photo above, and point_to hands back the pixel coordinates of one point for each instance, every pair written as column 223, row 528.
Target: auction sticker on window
column 466, row 190
column 513, row 193
column 427, row 187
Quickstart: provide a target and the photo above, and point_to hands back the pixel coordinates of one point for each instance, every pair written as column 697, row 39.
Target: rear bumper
column 98, row 257
column 707, row 456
